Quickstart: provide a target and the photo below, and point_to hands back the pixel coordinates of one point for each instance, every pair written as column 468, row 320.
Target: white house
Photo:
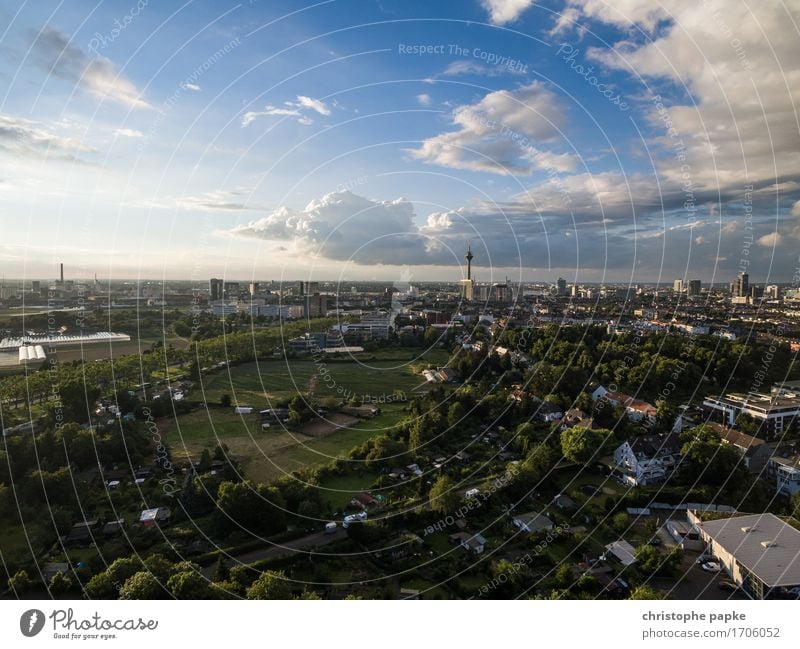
column 647, row 460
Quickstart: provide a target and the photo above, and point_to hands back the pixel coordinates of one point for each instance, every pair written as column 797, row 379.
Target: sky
column 376, row 139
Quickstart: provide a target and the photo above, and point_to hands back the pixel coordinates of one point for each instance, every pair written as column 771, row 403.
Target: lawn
column 254, row 383
column 339, row 490
column 266, row 455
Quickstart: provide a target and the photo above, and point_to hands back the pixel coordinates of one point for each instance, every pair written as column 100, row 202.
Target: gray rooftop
column 770, row 549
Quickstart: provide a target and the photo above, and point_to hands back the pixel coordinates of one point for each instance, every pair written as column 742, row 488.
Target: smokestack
column 62, row 273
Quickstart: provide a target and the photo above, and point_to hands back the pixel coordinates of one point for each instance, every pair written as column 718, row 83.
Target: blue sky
column 375, row 139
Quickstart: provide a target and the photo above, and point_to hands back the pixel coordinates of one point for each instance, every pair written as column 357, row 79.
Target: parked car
column 711, row 566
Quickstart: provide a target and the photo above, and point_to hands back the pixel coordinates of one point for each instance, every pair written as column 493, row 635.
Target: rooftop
column 762, row 543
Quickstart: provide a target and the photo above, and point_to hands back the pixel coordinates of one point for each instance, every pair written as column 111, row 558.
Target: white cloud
column 498, row 133
column 27, row 138
column 505, row 11
column 128, row 132
column 741, row 64
column 54, row 51
column 474, row 68
column 293, row 109
column 192, row 86
column 770, row 240
column 343, row 227
column 796, row 209
column 313, row 104
column 566, row 21
column 424, row 99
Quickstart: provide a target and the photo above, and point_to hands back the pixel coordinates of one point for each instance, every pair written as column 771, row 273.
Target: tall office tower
column 695, row 288
column 36, row 286
column 561, row 286
column 677, row 286
column 253, row 288
column 231, row 290
column 215, row 291
column 773, row 292
column 741, row 285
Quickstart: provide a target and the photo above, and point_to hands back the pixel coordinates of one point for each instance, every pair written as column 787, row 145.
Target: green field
column 266, row 455
column 253, row 383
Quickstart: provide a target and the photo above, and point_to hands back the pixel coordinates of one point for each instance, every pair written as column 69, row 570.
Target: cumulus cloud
column 498, row 133
column 296, row 110
column 191, row 86
column 741, row 64
column 770, row 240
column 796, row 209
column 27, row 138
column 344, row 227
column 505, row 11
column 424, row 99
column 54, row 52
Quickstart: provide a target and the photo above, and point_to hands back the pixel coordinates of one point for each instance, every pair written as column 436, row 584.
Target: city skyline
column 557, row 140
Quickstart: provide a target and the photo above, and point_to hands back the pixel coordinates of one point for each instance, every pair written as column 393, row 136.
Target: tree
column 646, row 592
column 455, row 415
column 708, row 460
column 188, row 584
column 142, row 585
column 60, row 583
column 651, row 562
column 221, row 571
column 225, row 401
column 204, row 466
column 270, row 585
column 101, row 586
column 580, row 445
column 443, row 496
column 256, row 509
column 666, row 414
column 20, row 582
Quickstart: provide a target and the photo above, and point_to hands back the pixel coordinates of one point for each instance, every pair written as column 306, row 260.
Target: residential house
column 622, row 551
column 474, row 543
column 364, row 501
column 786, row 473
column 549, row 411
column 155, row 516
column 648, row 459
column 564, row 503
column 576, row 417
column 532, row 522
column 756, row 452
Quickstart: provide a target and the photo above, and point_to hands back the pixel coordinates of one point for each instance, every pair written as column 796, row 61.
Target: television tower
column 469, row 257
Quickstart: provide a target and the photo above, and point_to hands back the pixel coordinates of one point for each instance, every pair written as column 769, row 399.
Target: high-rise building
column 253, row 288
column 561, row 286
column 575, row 290
column 741, row 285
column 36, row 286
column 773, row 292
column 231, row 290
column 756, row 292
column 694, row 288
column 215, row 289
column 315, row 306
column 677, row 286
